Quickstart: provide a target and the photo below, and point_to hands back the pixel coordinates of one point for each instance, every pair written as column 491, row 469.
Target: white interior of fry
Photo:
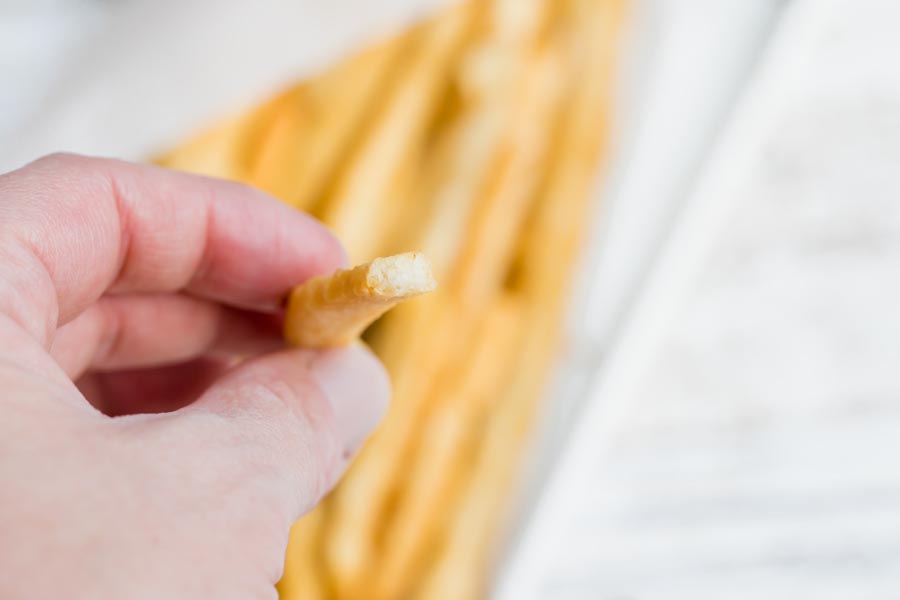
column 401, row 275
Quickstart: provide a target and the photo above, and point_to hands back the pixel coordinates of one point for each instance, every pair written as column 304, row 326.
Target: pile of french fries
column 475, row 138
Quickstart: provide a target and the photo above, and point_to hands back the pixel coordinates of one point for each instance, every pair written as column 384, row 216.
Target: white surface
column 694, row 57
column 684, row 62
column 760, row 453
column 34, row 40
column 130, row 78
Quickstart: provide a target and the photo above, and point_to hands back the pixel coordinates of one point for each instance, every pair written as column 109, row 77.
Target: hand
column 128, row 289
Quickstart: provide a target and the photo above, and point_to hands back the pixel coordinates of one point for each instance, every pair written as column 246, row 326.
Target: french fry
column 361, row 500
column 333, row 310
column 490, row 81
column 490, row 245
column 283, row 146
column 459, row 573
column 360, row 208
column 493, row 233
column 557, row 226
column 227, row 149
column 303, row 578
column 212, row 153
column 301, row 152
column 355, row 524
column 438, row 469
column 559, row 221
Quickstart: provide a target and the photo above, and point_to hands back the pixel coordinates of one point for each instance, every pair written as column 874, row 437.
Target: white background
column 743, row 439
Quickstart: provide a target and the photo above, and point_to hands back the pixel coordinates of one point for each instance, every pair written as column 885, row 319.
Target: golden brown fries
column 333, row 310
column 361, row 206
column 439, row 468
column 475, row 136
column 303, row 571
column 521, row 100
column 552, row 240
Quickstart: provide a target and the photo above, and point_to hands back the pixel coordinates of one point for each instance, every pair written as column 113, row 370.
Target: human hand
column 143, row 286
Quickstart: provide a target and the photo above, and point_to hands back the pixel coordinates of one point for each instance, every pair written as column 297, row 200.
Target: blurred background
column 723, row 419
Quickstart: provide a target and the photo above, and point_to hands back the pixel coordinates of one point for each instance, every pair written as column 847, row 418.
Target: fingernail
column 358, row 389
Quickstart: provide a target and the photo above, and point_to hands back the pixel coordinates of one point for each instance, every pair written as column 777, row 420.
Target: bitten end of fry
column 400, row 276
column 333, row 310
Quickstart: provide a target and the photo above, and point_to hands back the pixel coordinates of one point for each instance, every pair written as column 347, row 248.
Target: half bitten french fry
column 333, row 310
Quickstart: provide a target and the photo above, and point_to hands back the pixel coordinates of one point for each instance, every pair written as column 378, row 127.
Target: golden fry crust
column 333, row 310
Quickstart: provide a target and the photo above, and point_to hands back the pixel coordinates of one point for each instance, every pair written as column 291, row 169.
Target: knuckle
column 299, row 426
column 61, row 156
column 64, row 161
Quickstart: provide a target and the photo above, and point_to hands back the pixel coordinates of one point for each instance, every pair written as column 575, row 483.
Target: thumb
column 297, row 417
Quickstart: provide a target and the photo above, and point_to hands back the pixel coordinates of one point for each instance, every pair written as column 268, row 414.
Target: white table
column 758, row 450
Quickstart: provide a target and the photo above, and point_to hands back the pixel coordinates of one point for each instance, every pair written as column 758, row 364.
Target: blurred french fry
column 213, row 153
column 358, row 505
column 490, row 82
column 302, row 150
column 362, row 204
column 303, row 577
column 435, row 475
column 556, row 230
column 283, row 146
column 459, row 573
column 494, row 232
column 226, row 150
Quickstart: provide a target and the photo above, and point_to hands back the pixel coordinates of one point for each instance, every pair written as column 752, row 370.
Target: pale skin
column 140, row 457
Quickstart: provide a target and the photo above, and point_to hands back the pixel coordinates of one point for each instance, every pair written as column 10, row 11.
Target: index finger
column 73, row 227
